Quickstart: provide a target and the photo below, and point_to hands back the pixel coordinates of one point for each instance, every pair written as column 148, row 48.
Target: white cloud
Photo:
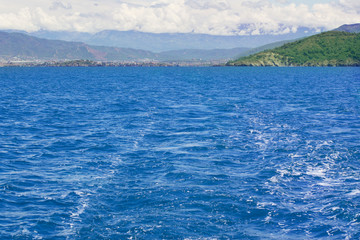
column 351, row 4
column 207, row 4
column 21, row 20
column 282, row 1
column 58, row 5
column 225, row 17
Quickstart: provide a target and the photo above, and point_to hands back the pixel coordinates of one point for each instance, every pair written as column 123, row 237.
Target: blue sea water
column 180, row 153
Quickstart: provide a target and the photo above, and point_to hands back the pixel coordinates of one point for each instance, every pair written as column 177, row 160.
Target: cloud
column 208, row 4
column 350, row 5
column 222, row 17
column 282, row 1
column 59, row 5
column 256, row 4
column 21, row 20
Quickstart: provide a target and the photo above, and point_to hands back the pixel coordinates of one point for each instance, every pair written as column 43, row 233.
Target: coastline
column 89, row 63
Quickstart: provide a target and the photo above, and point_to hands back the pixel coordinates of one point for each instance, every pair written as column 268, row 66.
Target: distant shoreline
column 88, row 63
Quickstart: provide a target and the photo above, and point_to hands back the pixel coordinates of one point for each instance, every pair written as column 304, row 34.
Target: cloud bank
column 218, row 17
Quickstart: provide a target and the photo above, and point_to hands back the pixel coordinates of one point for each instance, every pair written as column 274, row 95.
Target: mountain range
column 350, row 28
column 17, row 46
column 325, row 47
column 160, row 42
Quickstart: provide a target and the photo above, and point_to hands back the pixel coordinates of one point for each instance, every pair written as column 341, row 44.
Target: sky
column 216, row 17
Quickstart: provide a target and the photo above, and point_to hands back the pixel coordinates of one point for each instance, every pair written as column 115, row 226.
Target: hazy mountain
column 63, row 35
column 351, row 28
column 19, row 46
column 332, row 48
column 202, row 55
column 159, row 42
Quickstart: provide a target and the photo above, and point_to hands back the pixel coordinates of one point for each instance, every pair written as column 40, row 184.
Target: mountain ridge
column 350, row 28
column 333, row 48
column 161, row 42
column 17, row 46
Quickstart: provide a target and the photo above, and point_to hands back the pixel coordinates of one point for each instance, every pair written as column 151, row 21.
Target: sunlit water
column 179, row 153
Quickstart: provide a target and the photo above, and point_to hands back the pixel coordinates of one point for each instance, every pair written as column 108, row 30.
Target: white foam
column 79, row 193
column 274, row 179
column 283, row 172
column 254, row 131
column 292, row 155
column 324, row 143
column 316, row 172
column 264, row 204
column 80, row 210
column 291, row 172
column 335, row 155
column 328, row 182
column 325, row 184
column 354, row 192
column 267, row 219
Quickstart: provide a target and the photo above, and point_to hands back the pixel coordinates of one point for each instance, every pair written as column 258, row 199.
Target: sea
column 179, row 153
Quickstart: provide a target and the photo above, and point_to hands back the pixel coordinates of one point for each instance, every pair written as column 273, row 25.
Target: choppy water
column 179, row 153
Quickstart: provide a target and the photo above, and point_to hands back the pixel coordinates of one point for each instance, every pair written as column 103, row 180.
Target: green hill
column 326, row 49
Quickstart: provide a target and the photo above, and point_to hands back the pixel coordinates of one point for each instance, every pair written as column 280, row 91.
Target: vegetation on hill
column 265, row 47
column 326, row 49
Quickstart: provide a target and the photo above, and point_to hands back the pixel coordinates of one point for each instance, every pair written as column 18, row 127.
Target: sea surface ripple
column 180, row 153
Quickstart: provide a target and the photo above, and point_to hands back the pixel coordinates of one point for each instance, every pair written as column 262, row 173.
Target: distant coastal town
column 89, row 63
